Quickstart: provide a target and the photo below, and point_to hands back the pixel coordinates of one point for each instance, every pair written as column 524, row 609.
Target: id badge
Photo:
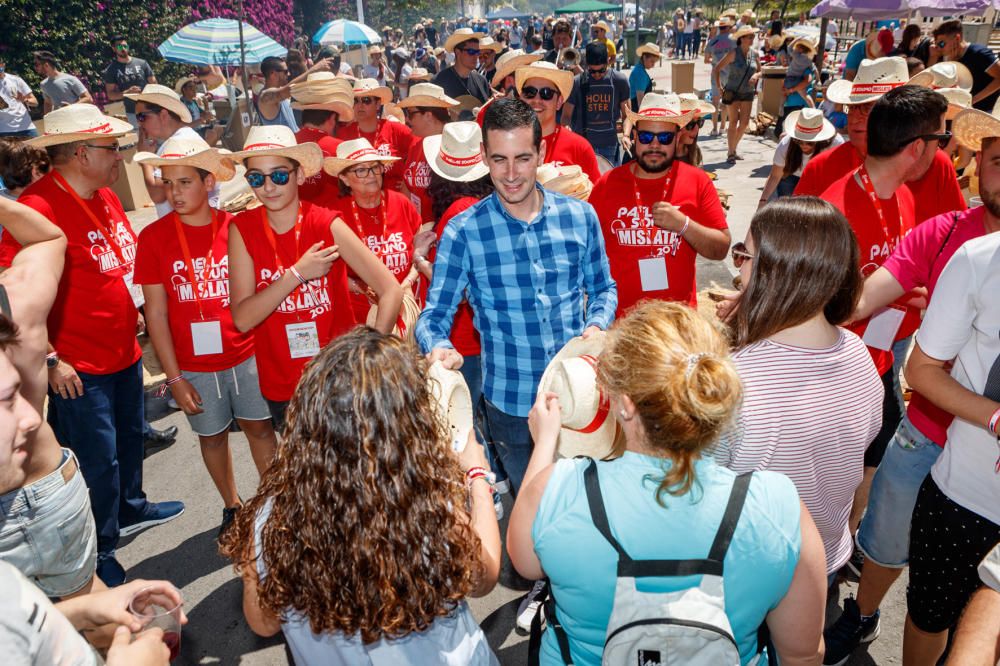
column 303, row 339
column 653, row 274
column 206, row 337
column 882, row 328
column 134, row 290
column 415, row 200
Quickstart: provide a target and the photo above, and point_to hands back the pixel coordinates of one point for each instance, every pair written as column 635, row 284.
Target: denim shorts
column 227, row 394
column 48, row 531
column 884, row 535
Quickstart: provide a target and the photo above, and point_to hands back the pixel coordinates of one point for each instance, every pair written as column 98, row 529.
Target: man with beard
column 657, row 213
column 525, row 257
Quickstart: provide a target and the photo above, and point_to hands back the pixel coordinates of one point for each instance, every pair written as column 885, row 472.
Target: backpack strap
column 730, row 518
column 535, row 638
column 597, row 512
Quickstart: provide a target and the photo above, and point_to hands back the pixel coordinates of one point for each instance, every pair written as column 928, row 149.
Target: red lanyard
column 866, row 182
column 189, row 262
column 274, row 243
column 357, row 218
column 666, row 186
column 109, row 234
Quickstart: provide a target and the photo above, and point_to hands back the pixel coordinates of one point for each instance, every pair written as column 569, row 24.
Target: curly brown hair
column 367, row 531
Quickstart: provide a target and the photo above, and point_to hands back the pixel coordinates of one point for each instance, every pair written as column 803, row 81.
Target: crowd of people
column 508, row 215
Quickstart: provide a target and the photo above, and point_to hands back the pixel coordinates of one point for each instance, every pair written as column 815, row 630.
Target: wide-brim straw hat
column 959, row 100
column 371, row 88
column 355, row 151
column 164, row 97
column 561, row 78
column 193, row 152
column 319, row 84
column 568, row 179
column 588, row 427
column 406, row 322
column 691, row 102
column 601, row 25
column 807, row 42
column 874, row 79
column 971, row 126
column 809, row 125
column 488, row 44
column 510, row 61
column 649, row 48
column 79, row 122
column 427, row 95
column 374, row 49
column 419, row 74
column 948, row 74
column 774, row 42
column 453, row 402
column 459, row 36
column 724, row 22
column 183, row 81
column 455, row 153
column 340, row 103
column 279, row 141
column 745, row 31
column 466, row 103
column 661, row 108
column 393, row 113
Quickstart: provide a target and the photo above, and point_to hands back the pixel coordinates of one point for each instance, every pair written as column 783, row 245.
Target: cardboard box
column 238, row 124
column 131, row 187
column 771, row 99
column 682, row 77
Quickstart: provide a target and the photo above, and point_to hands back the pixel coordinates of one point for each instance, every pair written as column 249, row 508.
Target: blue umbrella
column 345, row 32
column 217, row 42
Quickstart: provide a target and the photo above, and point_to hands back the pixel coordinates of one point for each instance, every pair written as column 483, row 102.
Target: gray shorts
column 47, row 531
column 227, row 394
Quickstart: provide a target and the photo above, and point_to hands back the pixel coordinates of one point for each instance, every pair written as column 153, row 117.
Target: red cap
column 885, row 40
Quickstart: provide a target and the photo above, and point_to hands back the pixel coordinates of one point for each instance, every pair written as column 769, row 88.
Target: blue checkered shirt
column 526, row 284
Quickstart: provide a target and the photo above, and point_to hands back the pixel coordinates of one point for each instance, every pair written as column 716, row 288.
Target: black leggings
column 891, row 416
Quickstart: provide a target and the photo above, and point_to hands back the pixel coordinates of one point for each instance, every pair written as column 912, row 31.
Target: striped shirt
column 810, row 414
column 526, row 283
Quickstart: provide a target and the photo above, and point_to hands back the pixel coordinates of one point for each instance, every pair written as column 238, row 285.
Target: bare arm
column 111, row 90
column 262, row 622
column 992, row 86
column 157, row 193
column 373, row 272
column 977, row 640
column 158, row 327
column 929, row 377
column 46, row 104
column 43, row 248
column 269, row 100
column 85, row 98
column 880, row 289
column 482, row 517
column 771, row 185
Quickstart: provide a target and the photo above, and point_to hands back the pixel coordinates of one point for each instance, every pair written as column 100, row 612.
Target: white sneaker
column 498, row 505
column 529, row 606
column 503, row 486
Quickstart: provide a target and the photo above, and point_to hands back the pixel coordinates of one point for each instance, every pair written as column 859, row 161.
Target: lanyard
column 189, row 262
column 666, row 186
column 357, row 217
column 108, row 234
column 866, row 182
column 269, row 233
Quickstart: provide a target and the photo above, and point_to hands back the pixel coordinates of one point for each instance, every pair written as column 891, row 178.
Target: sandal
column 731, row 159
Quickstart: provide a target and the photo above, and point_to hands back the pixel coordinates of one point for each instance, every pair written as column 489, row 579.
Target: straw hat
column 562, row 78
column 162, row 96
column 191, row 151
column 662, row 108
column 510, row 61
column 393, row 113
column 588, row 428
column 691, row 102
column 455, row 153
column 958, row 100
column 375, row 49
column 183, row 81
column 419, row 74
column 438, row 51
column 355, row 151
column 724, row 22
column 807, row 42
column 453, row 402
column 427, row 94
column 874, row 79
column 600, row 25
column 774, row 42
column 971, row 126
column 371, row 88
column 279, row 141
column 79, row 122
column 649, row 48
column 809, row 125
column 487, row 43
column 731, row 13
column 340, row 103
column 466, row 103
column 742, row 32
column 406, row 322
column 568, row 179
column 459, row 36
column 944, row 75
column 327, row 92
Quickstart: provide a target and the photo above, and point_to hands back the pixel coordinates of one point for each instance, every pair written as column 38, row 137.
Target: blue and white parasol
column 216, row 41
column 345, row 32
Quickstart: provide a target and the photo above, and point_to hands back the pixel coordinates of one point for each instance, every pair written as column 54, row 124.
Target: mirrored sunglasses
column 278, row 177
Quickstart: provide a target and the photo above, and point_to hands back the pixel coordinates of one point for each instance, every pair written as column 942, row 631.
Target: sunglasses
column 114, row 148
column 257, row 179
column 646, row 138
column 740, row 255
column 471, row 52
column 530, row 92
column 942, row 139
column 695, row 123
column 365, row 171
column 121, row 47
column 367, row 101
column 142, row 115
column 598, row 72
column 941, row 44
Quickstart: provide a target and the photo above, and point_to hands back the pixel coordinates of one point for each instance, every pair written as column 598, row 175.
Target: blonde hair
column 675, row 367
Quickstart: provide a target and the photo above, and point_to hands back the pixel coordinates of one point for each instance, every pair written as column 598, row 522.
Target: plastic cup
column 155, row 609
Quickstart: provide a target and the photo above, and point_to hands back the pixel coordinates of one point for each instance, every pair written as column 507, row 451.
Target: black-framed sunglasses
column 646, row 138
column 740, row 255
column 942, row 139
column 365, row 171
column 598, row 72
column 367, row 101
column 113, row 148
column 142, row 115
column 700, row 122
column 256, row 179
column 471, row 52
column 547, row 94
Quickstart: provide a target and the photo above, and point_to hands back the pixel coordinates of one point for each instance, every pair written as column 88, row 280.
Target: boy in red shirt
column 426, row 109
column 182, row 266
column 325, row 101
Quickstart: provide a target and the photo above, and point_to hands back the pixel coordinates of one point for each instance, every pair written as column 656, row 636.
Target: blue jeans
column 612, row 154
column 695, row 43
column 510, row 438
column 103, row 427
column 472, row 372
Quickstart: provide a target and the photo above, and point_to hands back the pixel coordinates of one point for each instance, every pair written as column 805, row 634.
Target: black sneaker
column 848, row 632
column 110, row 571
column 228, row 516
column 856, row 562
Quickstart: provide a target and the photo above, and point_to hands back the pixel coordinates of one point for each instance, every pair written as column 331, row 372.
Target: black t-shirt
column 135, row 72
column 978, row 59
column 455, row 86
column 597, row 105
column 432, row 36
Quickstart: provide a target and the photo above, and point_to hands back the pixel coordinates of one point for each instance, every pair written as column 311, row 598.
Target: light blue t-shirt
column 581, row 564
column 855, row 55
column 638, row 81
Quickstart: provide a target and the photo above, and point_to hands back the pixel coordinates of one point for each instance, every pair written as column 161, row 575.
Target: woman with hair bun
column 367, row 533
column 812, row 399
column 673, row 390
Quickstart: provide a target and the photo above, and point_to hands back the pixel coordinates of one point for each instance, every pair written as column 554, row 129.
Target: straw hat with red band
column 561, row 78
column 588, row 427
column 164, row 97
column 661, row 108
column 944, row 75
column 510, row 61
column 193, row 152
column 874, row 79
column 455, row 153
column 809, row 125
column 350, row 153
column 371, row 88
column 279, row 141
column 427, row 95
column 453, row 401
column 79, row 122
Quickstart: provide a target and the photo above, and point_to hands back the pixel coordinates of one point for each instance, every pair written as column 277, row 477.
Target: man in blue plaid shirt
column 525, row 258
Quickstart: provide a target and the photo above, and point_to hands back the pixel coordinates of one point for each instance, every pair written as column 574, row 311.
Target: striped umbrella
column 216, row 41
column 346, row 32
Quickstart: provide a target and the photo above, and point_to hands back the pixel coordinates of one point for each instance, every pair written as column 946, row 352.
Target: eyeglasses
column 413, row 110
column 598, row 72
column 142, row 115
column 471, row 52
column 256, row 179
column 942, row 139
column 530, row 92
column 115, row 148
column 646, row 138
column 700, row 122
column 367, row 101
column 740, row 255
column 366, row 171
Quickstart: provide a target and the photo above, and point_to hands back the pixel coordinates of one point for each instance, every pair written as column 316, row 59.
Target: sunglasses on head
column 646, row 138
column 471, row 51
column 740, row 255
column 530, row 92
column 700, row 122
column 367, row 101
column 278, row 177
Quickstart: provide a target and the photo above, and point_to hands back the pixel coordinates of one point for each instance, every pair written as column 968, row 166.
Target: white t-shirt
column 15, row 118
column 781, row 152
column 164, row 207
column 963, row 323
column 372, row 72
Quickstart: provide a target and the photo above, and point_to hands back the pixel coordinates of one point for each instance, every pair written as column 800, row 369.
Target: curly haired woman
column 363, row 541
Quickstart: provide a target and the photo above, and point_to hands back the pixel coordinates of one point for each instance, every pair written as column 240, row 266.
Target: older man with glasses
column 600, row 97
column 462, row 78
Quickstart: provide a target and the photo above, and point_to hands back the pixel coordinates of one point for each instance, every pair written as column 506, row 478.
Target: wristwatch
column 52, row 360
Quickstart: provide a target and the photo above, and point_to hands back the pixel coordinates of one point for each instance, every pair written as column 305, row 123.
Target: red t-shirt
column 391, row 139
column 417, row 176
column 564, row 146
column 160, row 260
column 322, row 182
column 92, row 322
column 853, row 201
column 324, row 301
column 634, row 244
